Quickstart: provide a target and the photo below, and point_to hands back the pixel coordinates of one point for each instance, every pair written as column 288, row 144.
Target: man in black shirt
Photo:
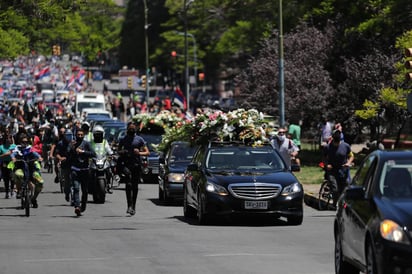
column 80, row 151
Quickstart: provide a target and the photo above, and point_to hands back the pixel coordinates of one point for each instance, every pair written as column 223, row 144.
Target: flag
column 70, row 82
column 81, row 75
column 43, row 73
column 179, row 98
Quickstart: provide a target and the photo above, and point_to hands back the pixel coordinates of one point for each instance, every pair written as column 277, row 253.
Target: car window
column 181, row 153
column 396, row 180
column 152, row 140
column 360, row 177
column 243, row 158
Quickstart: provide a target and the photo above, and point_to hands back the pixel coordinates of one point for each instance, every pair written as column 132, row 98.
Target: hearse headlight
column 292, row 189
column 220, row 190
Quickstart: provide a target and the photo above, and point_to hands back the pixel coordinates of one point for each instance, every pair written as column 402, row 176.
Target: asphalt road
column 156, row 240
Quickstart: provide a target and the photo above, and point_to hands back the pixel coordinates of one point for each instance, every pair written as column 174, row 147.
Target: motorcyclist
column 86, row 129
column 23, row 152
column 102, row 148
column 130, row 148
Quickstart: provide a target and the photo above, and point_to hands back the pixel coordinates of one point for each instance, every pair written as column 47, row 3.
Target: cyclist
column 62, row 152
column 130, row 148
column 23, row 151
column 102, row 148
column 338, row 157
column 52, row 152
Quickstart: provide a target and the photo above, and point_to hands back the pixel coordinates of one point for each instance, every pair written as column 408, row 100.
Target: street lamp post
column 146, row 26
column 194, row 53
column 186, row 5
column 281, row 70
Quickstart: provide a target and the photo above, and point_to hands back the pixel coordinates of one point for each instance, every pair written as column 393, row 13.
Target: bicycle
column 61, row 177
column 325, row 198
column 25, row 189
column 328, row 191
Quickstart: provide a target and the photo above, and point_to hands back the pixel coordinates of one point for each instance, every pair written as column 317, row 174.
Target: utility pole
column 186, row 5
column 146, row 39
column 281, row 70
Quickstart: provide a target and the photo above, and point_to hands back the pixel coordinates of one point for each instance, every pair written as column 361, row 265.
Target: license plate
column 256, row 205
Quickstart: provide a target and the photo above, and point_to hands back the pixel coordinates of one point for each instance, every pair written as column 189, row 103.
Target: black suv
column 228, row 178
column 172, row 169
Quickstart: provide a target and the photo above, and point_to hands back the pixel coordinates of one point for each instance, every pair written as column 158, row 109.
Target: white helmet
column 98, row 134
column 98, row 128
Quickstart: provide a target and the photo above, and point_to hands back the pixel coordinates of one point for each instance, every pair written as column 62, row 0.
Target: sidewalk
column 311, row 195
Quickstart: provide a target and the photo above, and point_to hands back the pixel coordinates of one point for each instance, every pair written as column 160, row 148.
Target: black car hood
column 225, row 178
column 398, row 210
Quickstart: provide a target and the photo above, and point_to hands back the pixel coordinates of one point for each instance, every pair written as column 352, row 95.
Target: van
column 88, row 100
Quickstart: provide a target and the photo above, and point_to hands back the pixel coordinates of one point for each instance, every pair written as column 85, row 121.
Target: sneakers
column 77, row 211
column 109, row 190
column 131, row 211
column 34, row 203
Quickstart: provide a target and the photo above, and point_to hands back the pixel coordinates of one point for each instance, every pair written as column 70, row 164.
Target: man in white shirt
column 285, row 146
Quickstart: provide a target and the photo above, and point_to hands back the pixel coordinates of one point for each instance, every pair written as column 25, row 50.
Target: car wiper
column 221, row 172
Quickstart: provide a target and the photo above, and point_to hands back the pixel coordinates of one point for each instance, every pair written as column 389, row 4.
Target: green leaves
column 77, row 26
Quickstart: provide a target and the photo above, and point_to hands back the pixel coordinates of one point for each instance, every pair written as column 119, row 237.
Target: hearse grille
column 255, row 191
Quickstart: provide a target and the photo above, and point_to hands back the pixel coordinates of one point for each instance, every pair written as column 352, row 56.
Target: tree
column 307, row 82
column 388, row 108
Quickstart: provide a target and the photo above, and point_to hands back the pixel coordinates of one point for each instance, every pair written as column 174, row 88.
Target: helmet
column 98, row 134
column 98, row 128
column 85, row 126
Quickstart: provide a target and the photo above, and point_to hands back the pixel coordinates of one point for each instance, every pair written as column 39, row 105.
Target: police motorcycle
column 100, row 167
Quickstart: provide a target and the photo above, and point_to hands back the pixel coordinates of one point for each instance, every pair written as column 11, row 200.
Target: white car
column 61, row 94
column 96, row 111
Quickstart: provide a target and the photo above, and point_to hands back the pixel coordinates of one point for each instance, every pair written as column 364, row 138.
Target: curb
column 311, row 200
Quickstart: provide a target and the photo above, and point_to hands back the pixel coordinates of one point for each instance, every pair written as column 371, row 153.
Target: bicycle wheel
column 325, row 199
column 25, row 200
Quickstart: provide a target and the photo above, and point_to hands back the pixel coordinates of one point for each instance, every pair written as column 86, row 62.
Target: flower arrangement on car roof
column 163, row 119
column 242, row 125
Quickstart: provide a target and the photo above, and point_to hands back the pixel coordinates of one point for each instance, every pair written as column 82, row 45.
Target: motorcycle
column 100, row 168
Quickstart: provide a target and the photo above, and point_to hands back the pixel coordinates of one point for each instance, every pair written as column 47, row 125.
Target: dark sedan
column 373, row 225
column 233, row 178
column 172, row 169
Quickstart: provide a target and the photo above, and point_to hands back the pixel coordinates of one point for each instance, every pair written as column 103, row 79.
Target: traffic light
column 201, row 76
column 130, row 82
column 58, row 50
column 143, row 81
column 408, row 64
column 54, row 50
column 173, row 54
